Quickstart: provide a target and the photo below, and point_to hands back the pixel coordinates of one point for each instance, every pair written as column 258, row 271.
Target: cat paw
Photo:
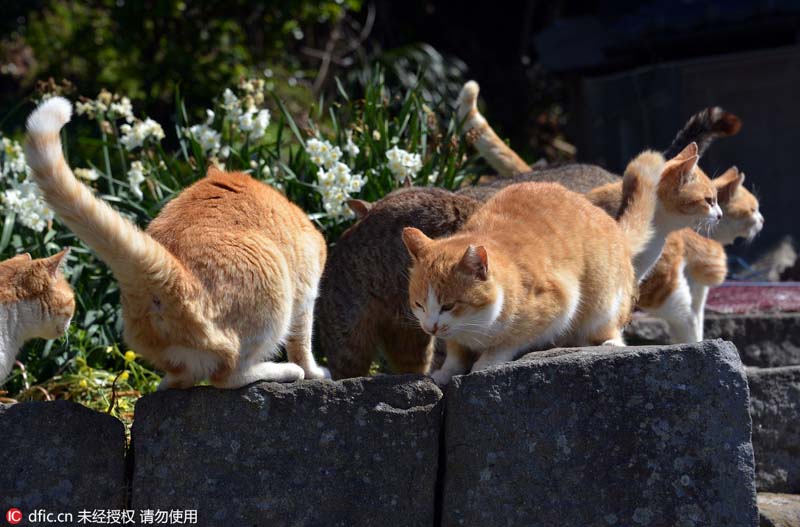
column 441, row 378
column 618, row 342
column 318, row 372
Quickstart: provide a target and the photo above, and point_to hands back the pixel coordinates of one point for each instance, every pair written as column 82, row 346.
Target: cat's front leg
column 457, row 362
column 494, row 357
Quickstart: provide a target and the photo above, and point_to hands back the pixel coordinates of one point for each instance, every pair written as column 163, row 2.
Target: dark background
column 607, row 78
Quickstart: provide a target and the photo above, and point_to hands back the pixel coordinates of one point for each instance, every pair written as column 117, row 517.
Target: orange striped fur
column 225, row 274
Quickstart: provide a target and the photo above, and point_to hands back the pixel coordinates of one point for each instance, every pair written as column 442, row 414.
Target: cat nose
column 431, row 329
column 717, row 212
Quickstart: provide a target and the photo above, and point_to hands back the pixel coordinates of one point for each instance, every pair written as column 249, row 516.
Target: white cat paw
column 318, row 372
column 619, row 343
column 441, row 378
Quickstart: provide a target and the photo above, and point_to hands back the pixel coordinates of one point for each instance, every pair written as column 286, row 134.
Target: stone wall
column 627, row 437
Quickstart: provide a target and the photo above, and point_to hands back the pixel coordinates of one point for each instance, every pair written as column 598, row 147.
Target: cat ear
column 21, row 257
column 682, row 172
column 727, row 184
column 359, row 207
column 689, row 151
column 53, row 263
column 475, row 262
column 415, row 241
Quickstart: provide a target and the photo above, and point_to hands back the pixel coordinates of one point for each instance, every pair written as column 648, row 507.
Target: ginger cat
column 223, row 276
column 35, row 302
column 493, row 290
column 688, row 201
column 363, row 305
column 677, row 288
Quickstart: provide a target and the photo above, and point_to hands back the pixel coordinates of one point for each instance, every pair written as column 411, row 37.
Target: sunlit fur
column 225, row 274
column 677, row 288
column 35, row 302
column 685, row 194
column 536, row 265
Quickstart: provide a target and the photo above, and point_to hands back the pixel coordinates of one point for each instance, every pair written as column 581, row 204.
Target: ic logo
column 14, row 516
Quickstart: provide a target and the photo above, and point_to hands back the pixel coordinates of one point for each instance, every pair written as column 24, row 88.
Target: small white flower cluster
column 137, row 135
column 403, row 164
column 136, row 176
column 245, row 111
column 13, row 159
column 335, row 181
column 20, row 195
column 107, row 106
column 209, row 139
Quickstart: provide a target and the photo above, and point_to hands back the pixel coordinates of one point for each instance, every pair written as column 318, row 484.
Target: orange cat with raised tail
column 537, row 264
column 225, row 274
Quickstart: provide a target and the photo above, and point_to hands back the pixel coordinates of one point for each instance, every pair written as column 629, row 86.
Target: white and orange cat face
column 686, row 194
column 45, row 299
column 742, row 217
column 451, row 290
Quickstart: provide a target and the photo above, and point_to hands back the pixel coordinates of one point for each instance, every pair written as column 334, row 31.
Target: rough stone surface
column 778, row 510
column 354, row 452
column 621, row 437
column 764, row 340
column 60, row 456
column 775, row 409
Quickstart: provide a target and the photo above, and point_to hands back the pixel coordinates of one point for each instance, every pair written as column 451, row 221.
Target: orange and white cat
column 536, row 265
column 223, row 276
column 677, row 288
column 35, row 302
column 685, row 199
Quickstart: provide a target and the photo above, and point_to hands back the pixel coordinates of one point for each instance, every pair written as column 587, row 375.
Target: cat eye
column 710, row 201
column 420, row 306
column 447, row 307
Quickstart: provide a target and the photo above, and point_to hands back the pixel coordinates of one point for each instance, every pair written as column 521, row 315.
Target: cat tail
column 480, row 135
column 639, row 198
column 135, row 258
column 702, row 128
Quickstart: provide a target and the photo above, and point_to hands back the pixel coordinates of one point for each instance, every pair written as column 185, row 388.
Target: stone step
column 778, row 510
column 775, row 410
column 764, row 340
column 625, row 436
column 356, row 452
column 60, row 456
column 594, row 436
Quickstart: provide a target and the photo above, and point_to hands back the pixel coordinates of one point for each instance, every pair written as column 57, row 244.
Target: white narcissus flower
column 335, row 180
column 122, row 109
column 350, row 147
column 21, row 196
column 136, row 177
column 403, row 164
column 25, row 200
column 135, row 136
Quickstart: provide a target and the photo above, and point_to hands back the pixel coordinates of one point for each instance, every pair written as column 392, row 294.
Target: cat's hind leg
column 298, row 343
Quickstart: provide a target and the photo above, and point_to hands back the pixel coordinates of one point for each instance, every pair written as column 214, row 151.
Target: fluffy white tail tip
column 469, row 95
column 50, row 116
